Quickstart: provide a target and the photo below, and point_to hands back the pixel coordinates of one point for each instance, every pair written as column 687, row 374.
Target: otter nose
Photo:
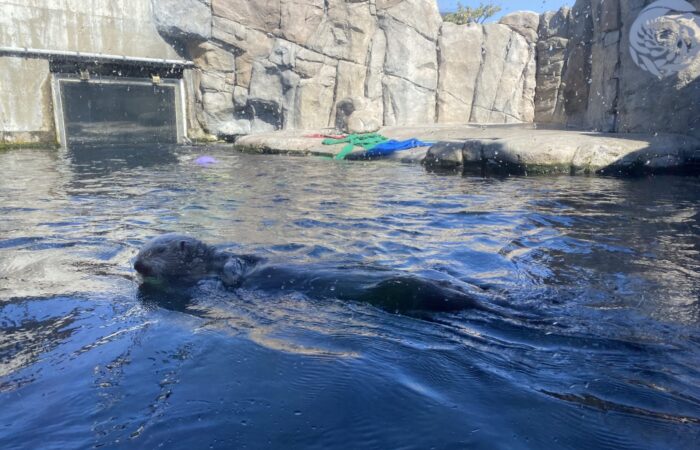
column 142, row 268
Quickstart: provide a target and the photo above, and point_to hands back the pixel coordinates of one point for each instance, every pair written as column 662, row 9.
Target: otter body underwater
column 177, row 260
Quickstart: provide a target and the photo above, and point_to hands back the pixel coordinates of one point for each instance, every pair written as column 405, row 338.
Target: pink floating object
column 205, row 161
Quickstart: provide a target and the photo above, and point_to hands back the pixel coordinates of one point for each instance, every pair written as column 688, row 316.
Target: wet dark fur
column 179, row 259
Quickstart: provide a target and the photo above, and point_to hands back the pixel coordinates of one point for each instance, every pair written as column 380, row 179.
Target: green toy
column 365, row 141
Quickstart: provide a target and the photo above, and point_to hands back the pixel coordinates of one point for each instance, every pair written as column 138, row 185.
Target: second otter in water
column 183, row 259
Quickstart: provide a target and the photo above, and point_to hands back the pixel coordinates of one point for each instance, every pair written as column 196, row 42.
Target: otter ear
column 183, row 244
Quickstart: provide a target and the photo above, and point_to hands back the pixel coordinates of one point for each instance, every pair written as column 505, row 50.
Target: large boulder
column 247, row 45
column 345, row 31
column 525, row 23
column 651, row 103
column 216, row 76
column 552, row 54
column 357, row 115
column 591, row 74
column 504, row 72
column 260, row 15
column 460, row 59
column 576, row 78
column 520, row 150
column 406, row 103
column 194, row 25
column 404, row 44
column 410, row 70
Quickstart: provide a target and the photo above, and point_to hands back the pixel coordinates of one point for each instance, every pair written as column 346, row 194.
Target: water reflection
column 593, row 343
column 90, row 162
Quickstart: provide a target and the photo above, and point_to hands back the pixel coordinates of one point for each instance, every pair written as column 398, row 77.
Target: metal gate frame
column 58, row 80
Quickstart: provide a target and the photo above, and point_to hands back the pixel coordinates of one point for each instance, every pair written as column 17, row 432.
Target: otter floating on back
column 181, row 259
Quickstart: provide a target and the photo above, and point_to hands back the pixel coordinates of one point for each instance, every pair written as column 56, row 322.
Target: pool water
column 594, row 341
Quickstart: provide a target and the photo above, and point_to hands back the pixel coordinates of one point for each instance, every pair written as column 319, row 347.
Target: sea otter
column 179, row 259
column 183, row 259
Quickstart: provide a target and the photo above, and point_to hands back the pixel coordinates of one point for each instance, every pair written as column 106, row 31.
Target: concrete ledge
column 296, row 142
column 510, row 149
column 565, row 151
column 22, row 139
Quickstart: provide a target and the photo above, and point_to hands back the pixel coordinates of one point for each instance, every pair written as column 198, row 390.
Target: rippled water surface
column 594, row 341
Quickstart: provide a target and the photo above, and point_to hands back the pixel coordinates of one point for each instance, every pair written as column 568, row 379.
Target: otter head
column 174, row 257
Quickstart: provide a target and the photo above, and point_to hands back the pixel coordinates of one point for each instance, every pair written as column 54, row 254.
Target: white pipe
column 93, row 56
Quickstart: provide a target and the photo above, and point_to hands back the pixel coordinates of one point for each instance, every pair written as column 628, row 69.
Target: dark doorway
column 119, row 113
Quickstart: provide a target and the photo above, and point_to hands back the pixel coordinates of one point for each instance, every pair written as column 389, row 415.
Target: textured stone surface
column 419, row 15
column 345, row 30
column 357, row 115
column 586, row 76
column 525, row 23
column 552, row 55
column 515, row 149
column 264, row 65
column 294, row 61
column 460, row 64
column 649, row 104
column 261, row 15
column 404, row 44
column 487, row 75
column 499, row 88
column 171, row 22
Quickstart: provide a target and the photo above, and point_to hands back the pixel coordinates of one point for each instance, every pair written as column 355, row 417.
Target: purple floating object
column 205, row 161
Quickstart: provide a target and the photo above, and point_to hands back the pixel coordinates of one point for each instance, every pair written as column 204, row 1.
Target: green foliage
column 467, row 14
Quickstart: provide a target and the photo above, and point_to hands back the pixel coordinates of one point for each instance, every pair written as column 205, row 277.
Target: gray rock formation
column 510, row 149
column 647, row 103
column 183, row 19
column 281, row 64
column 587, row 77
column 552, row 54
column 487, row 73
column 519, row 150
column 525, row 23
column 357, row 115
column 504, row 88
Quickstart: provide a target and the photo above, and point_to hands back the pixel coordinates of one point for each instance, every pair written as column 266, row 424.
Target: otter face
column 174, row 257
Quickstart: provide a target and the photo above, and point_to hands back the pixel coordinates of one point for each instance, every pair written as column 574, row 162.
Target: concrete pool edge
column 514, row 149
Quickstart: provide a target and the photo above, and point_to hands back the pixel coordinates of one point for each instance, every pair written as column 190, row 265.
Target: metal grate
column 118, row 112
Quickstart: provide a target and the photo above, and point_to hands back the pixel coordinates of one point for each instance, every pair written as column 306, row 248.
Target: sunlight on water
column 590, row 339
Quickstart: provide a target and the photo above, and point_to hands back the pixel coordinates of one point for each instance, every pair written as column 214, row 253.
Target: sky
column 509, row 5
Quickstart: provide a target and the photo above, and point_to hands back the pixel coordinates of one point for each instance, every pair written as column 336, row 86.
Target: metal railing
column 96, row 57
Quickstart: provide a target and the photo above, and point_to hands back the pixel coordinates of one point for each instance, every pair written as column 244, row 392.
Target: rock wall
column 586, row 75
column 291, row 64
column 272, row 64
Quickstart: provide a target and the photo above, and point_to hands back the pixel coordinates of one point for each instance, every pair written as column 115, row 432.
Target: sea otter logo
column 665, row 37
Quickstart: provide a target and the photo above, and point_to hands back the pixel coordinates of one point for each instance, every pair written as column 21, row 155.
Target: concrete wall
column 121, row 27
column 118, row 27
column 25, row 101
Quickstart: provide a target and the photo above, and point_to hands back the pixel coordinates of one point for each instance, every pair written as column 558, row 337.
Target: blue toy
column 205, row 161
